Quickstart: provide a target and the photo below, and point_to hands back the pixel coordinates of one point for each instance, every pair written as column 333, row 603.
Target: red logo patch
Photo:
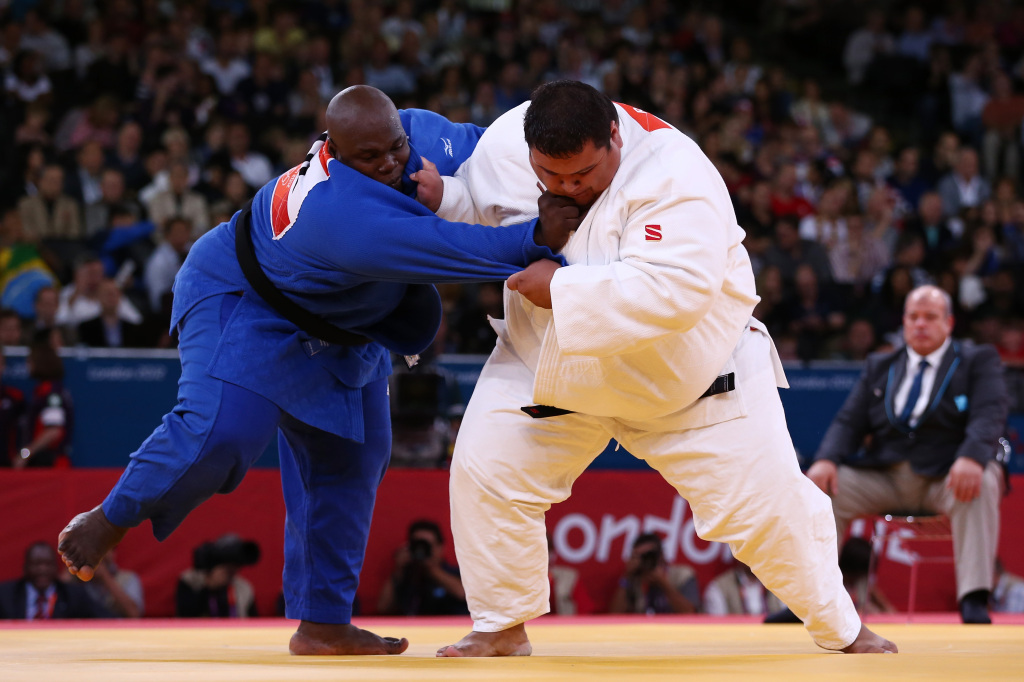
column 653, row 233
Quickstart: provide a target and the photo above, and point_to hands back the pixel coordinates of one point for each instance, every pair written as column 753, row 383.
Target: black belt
column 723, row 384
column 312, row 324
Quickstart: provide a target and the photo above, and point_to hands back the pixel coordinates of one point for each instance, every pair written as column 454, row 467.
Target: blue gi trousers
column 213, row 435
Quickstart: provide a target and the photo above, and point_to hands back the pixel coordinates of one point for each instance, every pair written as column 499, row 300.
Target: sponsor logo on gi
column 653, row 233
column 447, row 146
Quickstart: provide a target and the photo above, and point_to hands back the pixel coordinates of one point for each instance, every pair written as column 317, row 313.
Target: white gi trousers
column 740, row 477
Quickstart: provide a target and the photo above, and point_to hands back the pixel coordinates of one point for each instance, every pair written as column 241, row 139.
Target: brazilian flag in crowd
column 22, row 274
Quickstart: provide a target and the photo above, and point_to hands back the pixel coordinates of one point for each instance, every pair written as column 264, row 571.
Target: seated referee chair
column 909, row 527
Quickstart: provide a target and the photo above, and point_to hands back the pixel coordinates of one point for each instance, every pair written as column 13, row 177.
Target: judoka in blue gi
column 342, row 236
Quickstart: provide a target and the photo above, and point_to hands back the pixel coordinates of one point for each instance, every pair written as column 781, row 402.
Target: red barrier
column 590, row 531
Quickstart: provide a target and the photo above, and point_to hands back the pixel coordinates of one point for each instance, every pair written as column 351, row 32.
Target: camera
column 649, row 560
column 420, row 550
column 228, row 550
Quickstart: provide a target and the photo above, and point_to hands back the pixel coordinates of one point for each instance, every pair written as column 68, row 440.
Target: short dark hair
column 564, row 115
column 428, row 525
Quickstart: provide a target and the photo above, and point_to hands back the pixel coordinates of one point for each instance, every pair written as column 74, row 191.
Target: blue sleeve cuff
column 533, row 251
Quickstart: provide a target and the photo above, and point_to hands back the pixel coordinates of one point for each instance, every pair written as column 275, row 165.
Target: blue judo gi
column 363, row 256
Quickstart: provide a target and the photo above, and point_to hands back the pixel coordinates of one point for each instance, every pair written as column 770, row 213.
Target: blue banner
column 120, row 397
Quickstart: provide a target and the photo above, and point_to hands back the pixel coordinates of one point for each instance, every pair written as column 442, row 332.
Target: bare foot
column 86, row 540
column 326, row 639
column 868, row 642
column 511, row 642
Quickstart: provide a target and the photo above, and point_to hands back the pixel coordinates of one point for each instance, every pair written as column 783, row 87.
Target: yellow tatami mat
column 166, row 651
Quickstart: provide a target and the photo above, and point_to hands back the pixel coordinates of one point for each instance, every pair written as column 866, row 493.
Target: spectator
column 737, row 591
column 51, row 214
column 212, row 588
column 165, row 262
column 935, row 231
column 859, row 341
column 1002, row 116
column 789, row 252
column 44, row 309
column 38, row 595
column 813, row 319
column 907, row 179
column 109, row 330
column 25, row 81
column 119, row 591
column 915, row 40
column 263, row 97
column 860, row 258
column 254, row 167
column 126, row 156
column 934, row 411
column 125, row 246
column 79, row 301
column 100, row 214
column 1008, row 594
column 10, row 328
column 963, row 187
column 50, row 410
column 422, row 583
column 179, row 201
column 23, row 268
column 785, row 201
column 650, row 585
column 12, row 410
column 226, row 66
column 864, row 45
column 82, row 183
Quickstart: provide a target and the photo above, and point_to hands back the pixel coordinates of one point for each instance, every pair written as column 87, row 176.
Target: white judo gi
column 654, row 305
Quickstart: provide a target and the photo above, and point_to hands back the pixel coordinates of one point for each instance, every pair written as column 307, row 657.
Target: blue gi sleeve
column 366, row 229
column 446, row 144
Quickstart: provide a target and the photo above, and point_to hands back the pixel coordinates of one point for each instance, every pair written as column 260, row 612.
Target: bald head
column 927, row 319
column 365, row 133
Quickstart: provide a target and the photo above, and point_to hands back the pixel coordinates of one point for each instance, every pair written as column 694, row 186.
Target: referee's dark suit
column 888, row 463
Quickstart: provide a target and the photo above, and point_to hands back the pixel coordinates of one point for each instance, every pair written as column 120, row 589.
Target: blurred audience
column 650, row 585
column 38, row 595
column 422, row 583
column 212, row 588
column 737, row 591
column 50, row 414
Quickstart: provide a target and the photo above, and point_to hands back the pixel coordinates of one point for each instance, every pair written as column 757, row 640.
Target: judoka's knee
column 231, row 449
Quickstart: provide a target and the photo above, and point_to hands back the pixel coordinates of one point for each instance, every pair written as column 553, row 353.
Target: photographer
column 423, row 583
column 212, row 588
column 649, row 585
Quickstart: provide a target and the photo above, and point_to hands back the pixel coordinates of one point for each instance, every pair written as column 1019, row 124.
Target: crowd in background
column 868, row 148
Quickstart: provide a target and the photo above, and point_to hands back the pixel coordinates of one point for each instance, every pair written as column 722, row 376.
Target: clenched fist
column 535, row 282
column 558, row 219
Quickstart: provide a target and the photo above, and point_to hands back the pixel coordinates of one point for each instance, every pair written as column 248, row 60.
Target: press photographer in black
column 423, row 583
column 212, row 588
column 650, row 585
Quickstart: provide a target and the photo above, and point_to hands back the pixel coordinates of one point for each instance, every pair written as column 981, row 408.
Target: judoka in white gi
column 645, row 337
